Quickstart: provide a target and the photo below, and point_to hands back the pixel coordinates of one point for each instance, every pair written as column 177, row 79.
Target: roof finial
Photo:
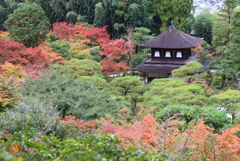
column 172, row 26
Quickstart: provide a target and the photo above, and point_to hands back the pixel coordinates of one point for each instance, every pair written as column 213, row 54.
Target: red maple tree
column 63, row 30
column 17, row 53
column 113, row 52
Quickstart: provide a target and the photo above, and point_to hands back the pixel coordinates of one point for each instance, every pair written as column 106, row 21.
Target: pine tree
column 28, row 24
column 178, row 11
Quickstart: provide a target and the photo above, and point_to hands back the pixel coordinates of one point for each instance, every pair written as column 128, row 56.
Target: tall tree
column 221, row 26
column 234, row 48
column 28, row 24
column 99, row 19
column 178, row 11
column 203, row 26
column 227, row 13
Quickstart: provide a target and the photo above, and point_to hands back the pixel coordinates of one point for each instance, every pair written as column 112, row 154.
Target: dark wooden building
column 170, row 50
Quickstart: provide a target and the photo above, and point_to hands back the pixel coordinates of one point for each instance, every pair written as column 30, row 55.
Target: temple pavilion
column 170, row 50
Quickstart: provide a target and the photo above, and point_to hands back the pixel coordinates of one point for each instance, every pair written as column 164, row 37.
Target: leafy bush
column 31, row 112
column 61, row 47
column 84, row 99
column 30, row 146
column 211, row 116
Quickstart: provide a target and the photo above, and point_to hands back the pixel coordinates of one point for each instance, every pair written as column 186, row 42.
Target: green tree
column 131, row 88
column 71, row 17
column 203, row 26
column 212, row 117
column 83, row 99
column 178, row 11
column 85, row 67
column 30, row 112
column 28, row 24
column 221, row 26
column 228, row 100
column 164, row 92
column 99, row 19
column 225, row 68
column 184, row 71
column 126, row 84
column 233, row 49
column 61, row 47
column 227, row 13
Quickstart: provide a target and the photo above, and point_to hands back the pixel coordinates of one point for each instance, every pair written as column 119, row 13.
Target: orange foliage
column 7, row 91
column 113, row 52
column 8, row 70
column 17, row 53
column 84, row 126
column 147, row 133
column 197, row 142
column 53, row 57
column 197, row 49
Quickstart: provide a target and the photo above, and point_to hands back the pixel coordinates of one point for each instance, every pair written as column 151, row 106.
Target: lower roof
column 166, row 67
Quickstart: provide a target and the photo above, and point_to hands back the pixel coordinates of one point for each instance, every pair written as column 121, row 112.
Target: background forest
column 68, row 92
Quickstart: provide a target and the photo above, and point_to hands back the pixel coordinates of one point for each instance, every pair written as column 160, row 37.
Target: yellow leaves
column 79, row 49
column 4, row 101
column 10, row 70
column 5, row 35
column 14, row 148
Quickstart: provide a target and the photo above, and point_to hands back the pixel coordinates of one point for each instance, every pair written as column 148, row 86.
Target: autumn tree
column 112, row 53
column 17, row 53
column 53, row 57
column 28, row 24
column 62, row 30
column 79, row 49
column 8, row 92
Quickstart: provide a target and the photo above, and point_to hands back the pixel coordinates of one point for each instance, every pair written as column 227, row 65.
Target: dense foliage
column 28, row 24
column 74, row 96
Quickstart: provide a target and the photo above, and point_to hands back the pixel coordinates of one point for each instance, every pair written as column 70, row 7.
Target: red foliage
column 113, row 52
column 97, row 36
column 146, row 134
column 17, row 53
column 84, row 126
column 62, row 30
column 53, row 57
column 197, row 142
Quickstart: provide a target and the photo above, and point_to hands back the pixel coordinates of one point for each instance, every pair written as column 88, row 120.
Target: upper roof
column 172, row 38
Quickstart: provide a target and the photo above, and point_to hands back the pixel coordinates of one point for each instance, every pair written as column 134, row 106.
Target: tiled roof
column 172, row 39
